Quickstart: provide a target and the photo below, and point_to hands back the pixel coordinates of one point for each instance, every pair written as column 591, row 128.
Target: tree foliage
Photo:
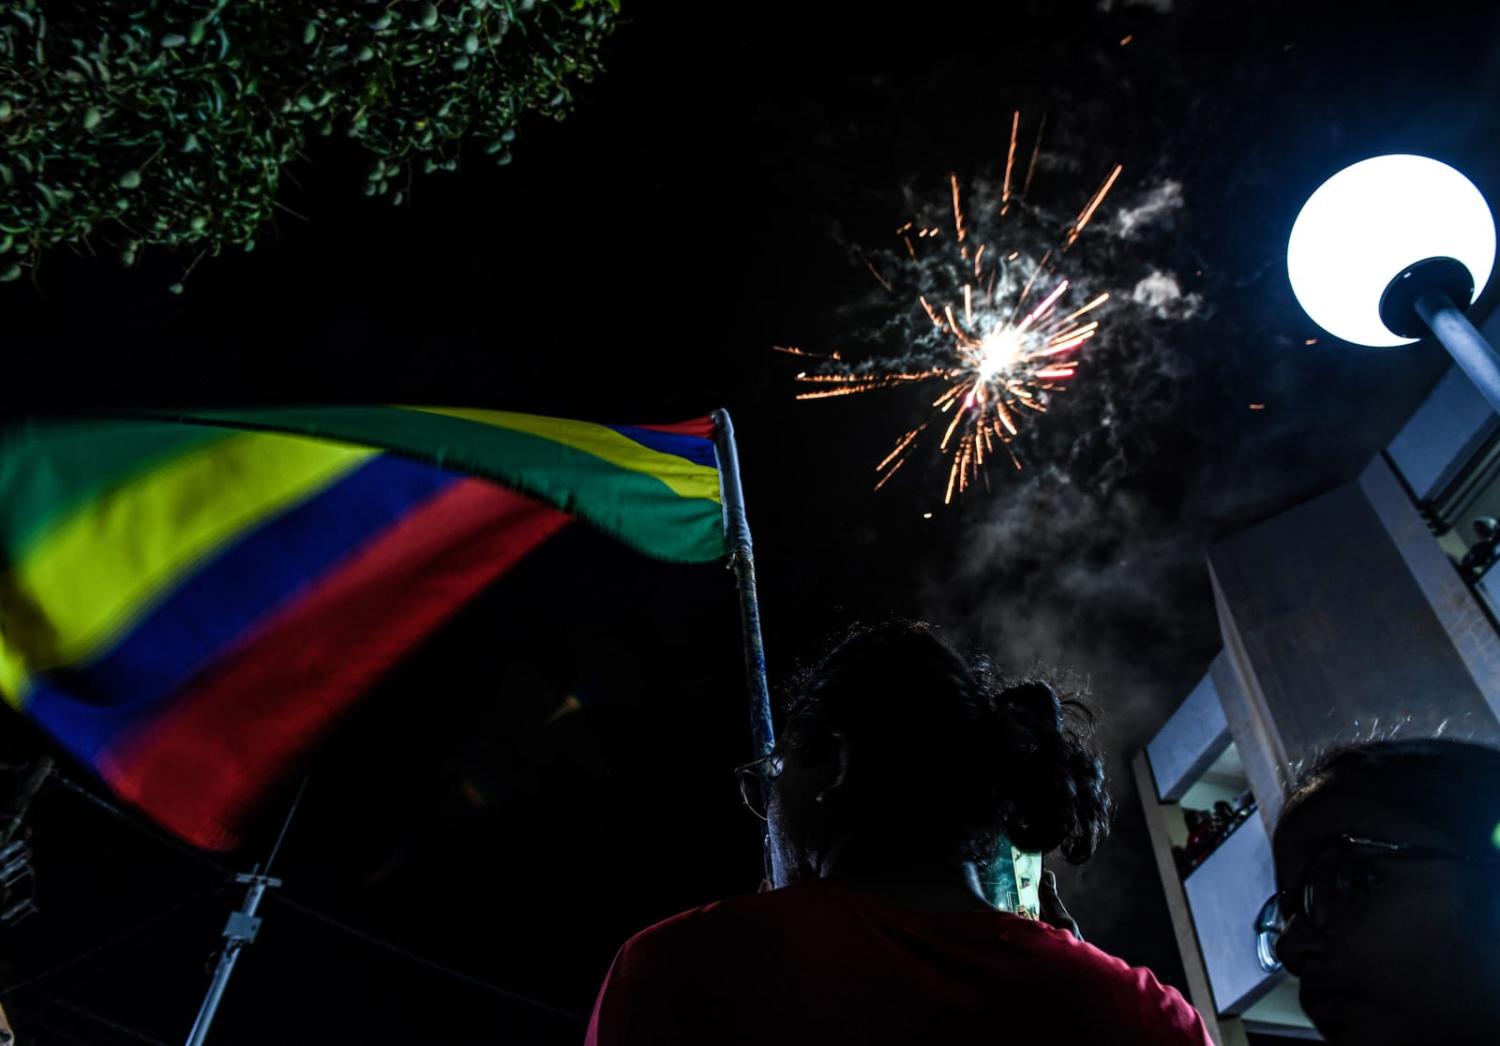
column 169, row 123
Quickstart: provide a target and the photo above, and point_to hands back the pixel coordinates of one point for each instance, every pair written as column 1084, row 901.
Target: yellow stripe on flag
column 94, row 571
column 686, row 479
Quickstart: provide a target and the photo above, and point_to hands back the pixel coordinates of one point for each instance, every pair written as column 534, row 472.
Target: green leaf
column 219, row 124
column 11, row 274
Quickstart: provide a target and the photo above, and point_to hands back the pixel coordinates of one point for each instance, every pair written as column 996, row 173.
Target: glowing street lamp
column 1392, row 247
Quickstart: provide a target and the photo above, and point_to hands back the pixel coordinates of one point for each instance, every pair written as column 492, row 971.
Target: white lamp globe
column 1367, row 224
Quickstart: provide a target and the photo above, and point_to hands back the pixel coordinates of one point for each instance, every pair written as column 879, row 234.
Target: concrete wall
column 1189, row 742
column 1457, row 608
column 1332, row 636
column 1450, row 425
column 1225, row 894
column 1250, row 725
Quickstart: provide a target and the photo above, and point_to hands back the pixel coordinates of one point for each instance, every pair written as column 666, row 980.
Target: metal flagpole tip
column 1378, row 235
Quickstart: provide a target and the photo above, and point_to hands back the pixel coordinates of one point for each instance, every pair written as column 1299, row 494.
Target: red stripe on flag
column 201, row 768
column 703, row 428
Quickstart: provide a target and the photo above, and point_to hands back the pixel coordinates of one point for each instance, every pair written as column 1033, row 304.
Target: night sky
column 715, row 194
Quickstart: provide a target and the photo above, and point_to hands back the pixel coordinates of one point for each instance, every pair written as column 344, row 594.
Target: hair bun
column 1056, row 785
column 1039, row 703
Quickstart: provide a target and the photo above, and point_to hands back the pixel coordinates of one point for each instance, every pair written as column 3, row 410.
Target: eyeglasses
column 755, row 778
column 1334, row 890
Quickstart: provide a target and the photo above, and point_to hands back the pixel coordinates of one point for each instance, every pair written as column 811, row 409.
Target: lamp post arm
column 1464, row 343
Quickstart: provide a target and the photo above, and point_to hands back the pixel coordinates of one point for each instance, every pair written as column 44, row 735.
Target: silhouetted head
column 1388, row 853
column 896, row 744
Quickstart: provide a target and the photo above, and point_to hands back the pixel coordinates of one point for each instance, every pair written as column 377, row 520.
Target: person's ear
column 841, row 761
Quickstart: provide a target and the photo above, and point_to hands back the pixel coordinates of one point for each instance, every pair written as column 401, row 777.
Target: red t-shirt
column 820, row 963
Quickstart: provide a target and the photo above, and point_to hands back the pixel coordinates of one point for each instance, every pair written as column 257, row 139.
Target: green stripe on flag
column 49, row 468
column 640, row 508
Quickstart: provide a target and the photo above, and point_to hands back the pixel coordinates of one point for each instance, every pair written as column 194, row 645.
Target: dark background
column 709, row 199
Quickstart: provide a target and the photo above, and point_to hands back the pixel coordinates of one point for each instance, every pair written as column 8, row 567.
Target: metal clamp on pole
column 240, row 929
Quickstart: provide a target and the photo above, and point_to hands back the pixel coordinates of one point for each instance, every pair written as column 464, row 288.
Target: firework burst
column 995, row 329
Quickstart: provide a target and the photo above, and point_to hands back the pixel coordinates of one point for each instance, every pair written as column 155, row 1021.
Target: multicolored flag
column 188, row 600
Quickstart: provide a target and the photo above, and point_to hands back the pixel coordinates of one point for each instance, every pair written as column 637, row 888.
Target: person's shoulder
column 1157, row 1010
column 710, row 920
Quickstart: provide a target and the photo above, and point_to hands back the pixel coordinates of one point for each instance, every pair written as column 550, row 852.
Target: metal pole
column 240, row 930
column 17, row 815
column 742, row 562
column 1466, row 345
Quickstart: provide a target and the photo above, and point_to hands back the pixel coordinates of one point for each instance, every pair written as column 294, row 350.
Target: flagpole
column 742, row 562
column 241, row 929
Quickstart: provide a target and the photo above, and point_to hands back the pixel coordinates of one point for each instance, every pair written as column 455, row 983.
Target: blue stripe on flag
column 219, row 604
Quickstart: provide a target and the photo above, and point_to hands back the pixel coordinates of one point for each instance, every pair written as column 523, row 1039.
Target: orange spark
column 1093, row 205
column 1005, row 418
column 1035, row 152
column 887, row 477
column 1089, row 307
column 904, row 442
column 1010, row 160
column 933, row 316
column 958, row 214
column 1046, row 304
column 1064, row 335
column 957, row 417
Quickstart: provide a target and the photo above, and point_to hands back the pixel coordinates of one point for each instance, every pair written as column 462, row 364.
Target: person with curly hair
column 902, row 770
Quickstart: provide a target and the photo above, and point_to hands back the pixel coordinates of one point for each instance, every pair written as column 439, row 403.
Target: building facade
column 1367, row 612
